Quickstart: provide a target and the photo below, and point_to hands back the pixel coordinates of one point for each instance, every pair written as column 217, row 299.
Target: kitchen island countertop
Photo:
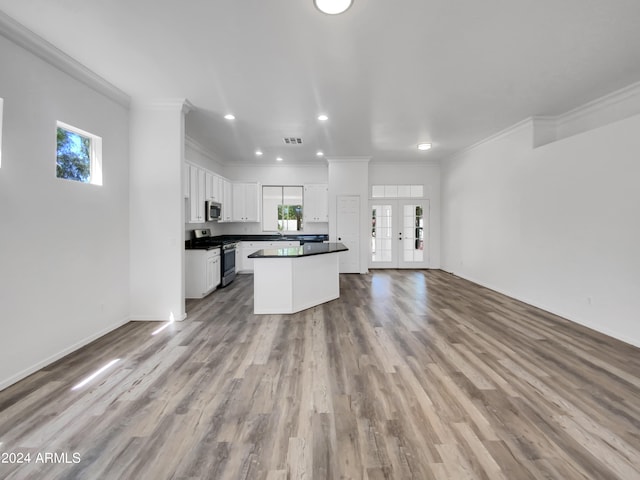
column 306, row 250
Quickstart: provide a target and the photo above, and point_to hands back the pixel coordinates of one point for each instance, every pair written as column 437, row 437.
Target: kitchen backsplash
column 246, row 229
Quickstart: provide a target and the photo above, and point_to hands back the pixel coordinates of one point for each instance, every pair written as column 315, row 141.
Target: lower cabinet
column 202, row 272
column 245, row 264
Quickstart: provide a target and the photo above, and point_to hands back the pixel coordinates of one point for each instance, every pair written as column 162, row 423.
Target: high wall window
column 282, row 208
column 79, row 155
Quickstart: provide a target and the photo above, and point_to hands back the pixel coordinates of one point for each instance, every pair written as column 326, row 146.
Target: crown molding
column 521, row 125
column 599, row 104
column 25, row 38
column 551, row 128
column 172, row 104
column 196, row 146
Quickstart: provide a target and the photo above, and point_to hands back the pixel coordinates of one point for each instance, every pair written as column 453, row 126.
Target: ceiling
column 389, row 74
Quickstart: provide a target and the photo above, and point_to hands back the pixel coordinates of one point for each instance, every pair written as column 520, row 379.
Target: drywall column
column 350, row 176
column 157, row 210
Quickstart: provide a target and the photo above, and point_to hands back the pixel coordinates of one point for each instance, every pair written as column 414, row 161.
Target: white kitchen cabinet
column 247, row 248
column 246, row 202
column 196, row 194
column 202, row 272
column 227, row 201
column 245, row 264
column 185, row 180
column 316, row 203
column 213, row 187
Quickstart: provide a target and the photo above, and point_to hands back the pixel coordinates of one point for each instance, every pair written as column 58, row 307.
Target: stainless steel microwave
column 214, row 211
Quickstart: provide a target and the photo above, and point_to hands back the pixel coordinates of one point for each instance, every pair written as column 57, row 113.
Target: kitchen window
column 282, row 208
column 79, row 155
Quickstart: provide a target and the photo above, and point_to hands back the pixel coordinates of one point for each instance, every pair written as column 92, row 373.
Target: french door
column 399, row 233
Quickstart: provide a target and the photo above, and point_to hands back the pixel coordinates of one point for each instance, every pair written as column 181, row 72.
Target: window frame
column 283, row 204
column 95, row 154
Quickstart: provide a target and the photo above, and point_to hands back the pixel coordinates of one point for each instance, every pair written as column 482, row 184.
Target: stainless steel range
column 202, row 239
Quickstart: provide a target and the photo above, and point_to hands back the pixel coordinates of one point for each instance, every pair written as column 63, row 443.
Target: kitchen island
column 288, row 280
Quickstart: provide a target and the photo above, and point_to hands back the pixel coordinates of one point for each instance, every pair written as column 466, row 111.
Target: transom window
column 282, row 208
column 397, row 191
column 78, row 155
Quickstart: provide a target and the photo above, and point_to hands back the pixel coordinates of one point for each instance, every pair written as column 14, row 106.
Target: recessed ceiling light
column 323, row 118
column 319, row 153
column 228, row 116
column 279, row 159
column 332, row 7
column 259, row 153
column 424, row 146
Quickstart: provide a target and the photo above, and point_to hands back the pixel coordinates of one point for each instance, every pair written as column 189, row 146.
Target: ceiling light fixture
column 259, row 153
column 323, row 118
column 279, row 159
column 424, row 146
column 228, row 116
column 332, row 7
column 319, row 154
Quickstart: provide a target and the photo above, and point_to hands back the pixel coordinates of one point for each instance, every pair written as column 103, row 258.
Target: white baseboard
column 48, row 361
column 597, row 327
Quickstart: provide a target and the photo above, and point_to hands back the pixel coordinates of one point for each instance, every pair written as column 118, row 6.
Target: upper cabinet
column 246, row 202
column 227, row 200
column 185, row 180
column 316, row 203
column 197, row 192
column 213, row 187
column 201, row 186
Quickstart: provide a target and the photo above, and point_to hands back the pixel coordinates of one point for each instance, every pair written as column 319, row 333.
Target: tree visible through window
column 78, row 155
column 289, row 218
column 282, row 208
column 74, row 156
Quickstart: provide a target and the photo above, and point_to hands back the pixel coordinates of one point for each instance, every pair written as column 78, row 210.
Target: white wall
column 557, row 226
column 64, row 245
column 157, row 211
column 414, row 174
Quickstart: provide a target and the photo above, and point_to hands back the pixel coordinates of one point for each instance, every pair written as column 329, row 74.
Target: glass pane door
column 413, row 235
column 382, row 251
column 399, row 236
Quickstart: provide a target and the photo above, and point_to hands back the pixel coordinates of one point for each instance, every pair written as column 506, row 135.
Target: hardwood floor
column 410, row 374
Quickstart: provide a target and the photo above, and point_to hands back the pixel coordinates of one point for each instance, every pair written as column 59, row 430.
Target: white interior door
column 399, row 234
column 348, row 232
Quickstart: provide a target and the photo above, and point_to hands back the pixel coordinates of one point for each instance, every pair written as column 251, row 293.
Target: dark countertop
column 302, row 238
column 305, row 250
column 275, row 237
column 204, row 247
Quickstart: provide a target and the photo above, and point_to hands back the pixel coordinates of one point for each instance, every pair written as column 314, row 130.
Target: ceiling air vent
column 292, row 140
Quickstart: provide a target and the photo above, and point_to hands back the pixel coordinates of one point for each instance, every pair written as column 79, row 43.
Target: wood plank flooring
column 409, row 375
